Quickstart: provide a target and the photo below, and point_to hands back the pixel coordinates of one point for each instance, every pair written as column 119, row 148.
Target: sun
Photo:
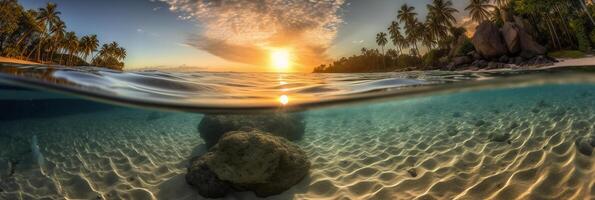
column 280, row 59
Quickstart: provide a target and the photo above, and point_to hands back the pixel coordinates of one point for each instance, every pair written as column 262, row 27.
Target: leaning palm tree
column 30, row 26
column 381, row 41
column 394, row 30
column 480, row 10
column 46, row 18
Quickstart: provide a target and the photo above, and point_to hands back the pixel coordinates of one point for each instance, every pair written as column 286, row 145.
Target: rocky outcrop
column 510, row 33
column 510, row 46
column 488, row 42
column 255, row 161
column 289, row 126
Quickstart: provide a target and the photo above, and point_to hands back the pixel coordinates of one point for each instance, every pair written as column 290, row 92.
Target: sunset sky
column 214, row 36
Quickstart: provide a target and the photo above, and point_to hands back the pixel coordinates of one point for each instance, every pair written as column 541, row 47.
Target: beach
column 15, row 61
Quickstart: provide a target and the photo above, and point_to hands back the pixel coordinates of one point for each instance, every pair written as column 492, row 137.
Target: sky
column 231, row 35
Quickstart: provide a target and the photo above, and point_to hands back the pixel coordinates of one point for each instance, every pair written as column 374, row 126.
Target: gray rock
column 461, row 60
column 488, row 41
column 290, row 126
column 259, row 162
column 518, row 60
column 204, row 180
column 504, row 59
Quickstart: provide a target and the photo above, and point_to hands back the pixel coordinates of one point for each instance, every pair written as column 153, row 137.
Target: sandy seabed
column 440, row 147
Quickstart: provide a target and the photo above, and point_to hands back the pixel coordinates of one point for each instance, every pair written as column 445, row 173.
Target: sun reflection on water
column 284, row 99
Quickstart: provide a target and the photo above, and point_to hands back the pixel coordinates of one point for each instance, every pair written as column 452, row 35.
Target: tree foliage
column 41, row 35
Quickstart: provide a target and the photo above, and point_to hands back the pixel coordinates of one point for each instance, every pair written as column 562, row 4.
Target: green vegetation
column 557, row 24
column 41, row 36
column 567, row 54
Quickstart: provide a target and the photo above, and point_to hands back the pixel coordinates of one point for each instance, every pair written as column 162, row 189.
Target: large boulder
column 510, row 34
column 204, row 180
column 529, row 47
column 290, row 126
column 254, row 161
column 488, row 41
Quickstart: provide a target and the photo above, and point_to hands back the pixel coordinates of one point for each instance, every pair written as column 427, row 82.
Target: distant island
column 509, row 33
column 40, row 36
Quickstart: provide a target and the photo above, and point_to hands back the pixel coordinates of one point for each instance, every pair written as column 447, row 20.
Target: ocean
column 90, row 133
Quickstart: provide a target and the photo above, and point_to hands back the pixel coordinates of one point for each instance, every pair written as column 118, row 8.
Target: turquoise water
column 497, row 141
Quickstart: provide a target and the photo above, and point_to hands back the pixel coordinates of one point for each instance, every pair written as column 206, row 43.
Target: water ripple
column 212, row 91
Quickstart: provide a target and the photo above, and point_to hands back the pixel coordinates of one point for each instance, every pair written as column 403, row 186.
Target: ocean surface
column 90, row 133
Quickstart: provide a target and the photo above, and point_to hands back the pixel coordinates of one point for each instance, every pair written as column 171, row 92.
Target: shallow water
column 435, row 141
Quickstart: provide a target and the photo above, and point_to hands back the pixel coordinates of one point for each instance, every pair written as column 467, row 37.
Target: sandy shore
column 16, row 61
column 587, row 61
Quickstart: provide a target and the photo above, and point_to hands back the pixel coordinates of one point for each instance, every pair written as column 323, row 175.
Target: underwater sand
column 425, row 148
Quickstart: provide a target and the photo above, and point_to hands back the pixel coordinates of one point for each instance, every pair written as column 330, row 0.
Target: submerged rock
column 255, row 161
column 500, row 137
column 412, row 172
column 585, row 145
column 204, row 180
column 289, row 126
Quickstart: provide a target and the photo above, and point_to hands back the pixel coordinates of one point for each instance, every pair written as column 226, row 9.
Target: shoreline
column 16, row 61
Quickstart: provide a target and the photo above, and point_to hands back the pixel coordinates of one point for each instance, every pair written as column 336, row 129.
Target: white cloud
column 307, row 26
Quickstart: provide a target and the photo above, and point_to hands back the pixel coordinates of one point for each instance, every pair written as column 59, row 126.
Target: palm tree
column 86, row 46
column 46, row 18
column 502, row 3
column 408, row 15
column 94, row 44
column 443, row 12
column 29, row 24
column 381, row 41
column 57, row 35
column 395, row 35
column 72, row 45
column 480, row 10
column 413, row 34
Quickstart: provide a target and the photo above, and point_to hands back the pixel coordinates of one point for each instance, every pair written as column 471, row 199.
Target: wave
column 210, row 92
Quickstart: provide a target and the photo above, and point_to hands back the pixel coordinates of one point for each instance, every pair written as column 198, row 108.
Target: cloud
column 246, row 31
column 140, row 30
column 156, row 8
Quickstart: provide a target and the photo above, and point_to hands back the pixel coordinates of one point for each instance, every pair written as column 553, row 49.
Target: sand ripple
column 517, row 144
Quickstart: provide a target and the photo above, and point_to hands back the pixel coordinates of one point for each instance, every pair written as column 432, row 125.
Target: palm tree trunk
column 587, row 11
